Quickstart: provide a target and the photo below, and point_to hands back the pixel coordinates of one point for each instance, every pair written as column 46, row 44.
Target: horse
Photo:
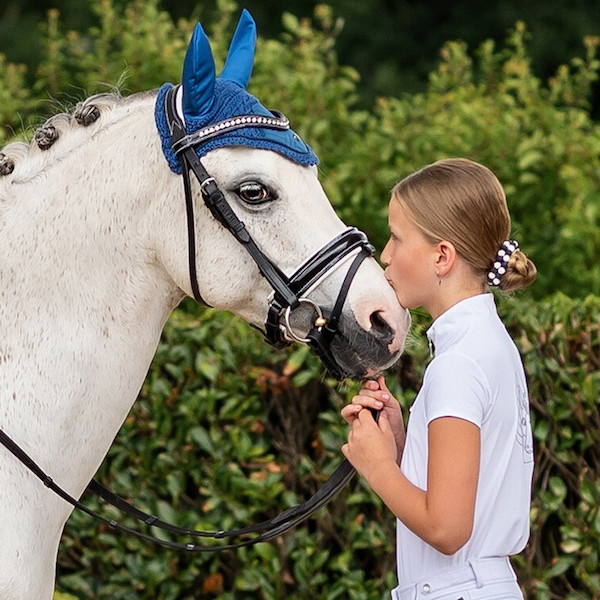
column 93, row 259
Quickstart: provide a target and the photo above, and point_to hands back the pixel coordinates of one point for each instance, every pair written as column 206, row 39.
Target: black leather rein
column 263, row 531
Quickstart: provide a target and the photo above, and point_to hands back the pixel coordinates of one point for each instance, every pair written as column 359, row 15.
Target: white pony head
column 207, row 113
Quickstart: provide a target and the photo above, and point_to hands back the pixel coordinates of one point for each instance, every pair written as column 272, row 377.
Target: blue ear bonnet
column 208, row 100
column 231, row 101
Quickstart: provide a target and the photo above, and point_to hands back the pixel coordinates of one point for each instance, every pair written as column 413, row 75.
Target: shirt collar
column 452, row 324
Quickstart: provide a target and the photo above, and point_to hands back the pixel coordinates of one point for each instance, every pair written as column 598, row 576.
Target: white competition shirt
column 477, row 375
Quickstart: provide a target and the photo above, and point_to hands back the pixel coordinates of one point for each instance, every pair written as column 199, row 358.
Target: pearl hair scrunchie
column 507, row 249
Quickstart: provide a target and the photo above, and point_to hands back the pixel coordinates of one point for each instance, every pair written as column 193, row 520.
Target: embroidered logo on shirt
column 524, row 435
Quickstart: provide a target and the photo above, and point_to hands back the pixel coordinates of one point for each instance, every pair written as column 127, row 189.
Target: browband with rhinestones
column 278, row 121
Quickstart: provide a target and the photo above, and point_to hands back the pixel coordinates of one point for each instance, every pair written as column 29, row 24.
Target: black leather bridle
column 288, row 292
column 288, row 295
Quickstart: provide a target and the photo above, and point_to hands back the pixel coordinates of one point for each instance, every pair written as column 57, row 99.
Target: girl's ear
column 445, row 257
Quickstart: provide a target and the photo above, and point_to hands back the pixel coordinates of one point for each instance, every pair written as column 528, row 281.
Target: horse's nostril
column 379, row 324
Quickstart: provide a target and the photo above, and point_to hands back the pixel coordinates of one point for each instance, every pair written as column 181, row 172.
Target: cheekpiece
column 500, row 264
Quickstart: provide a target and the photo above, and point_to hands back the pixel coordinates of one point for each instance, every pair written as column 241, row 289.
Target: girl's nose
column 385, row 255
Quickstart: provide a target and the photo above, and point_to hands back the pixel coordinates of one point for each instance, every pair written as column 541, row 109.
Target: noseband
column 288, row 292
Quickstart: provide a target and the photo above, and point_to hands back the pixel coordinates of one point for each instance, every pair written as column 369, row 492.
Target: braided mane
column 64, row 132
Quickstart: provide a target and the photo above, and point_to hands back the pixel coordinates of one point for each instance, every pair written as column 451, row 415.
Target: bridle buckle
column 205, row 183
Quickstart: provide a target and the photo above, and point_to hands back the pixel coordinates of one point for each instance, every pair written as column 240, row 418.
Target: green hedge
column 560, row 342
column 228, row 431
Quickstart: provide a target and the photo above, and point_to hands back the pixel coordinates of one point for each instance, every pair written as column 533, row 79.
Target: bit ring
column 320, row 320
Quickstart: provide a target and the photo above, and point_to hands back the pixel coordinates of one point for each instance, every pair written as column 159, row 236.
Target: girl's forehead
column 397, row 213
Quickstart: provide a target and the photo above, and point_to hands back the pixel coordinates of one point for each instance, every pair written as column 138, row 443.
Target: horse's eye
column 254, row 193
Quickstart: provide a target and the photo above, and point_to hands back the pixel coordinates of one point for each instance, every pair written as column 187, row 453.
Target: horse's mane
column 87, row 118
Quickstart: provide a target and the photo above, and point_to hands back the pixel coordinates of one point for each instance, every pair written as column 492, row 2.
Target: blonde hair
column 463, row 202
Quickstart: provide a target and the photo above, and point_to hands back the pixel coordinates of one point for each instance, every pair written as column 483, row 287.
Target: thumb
column 384, row 422
column 382, row 385
column 345, row 450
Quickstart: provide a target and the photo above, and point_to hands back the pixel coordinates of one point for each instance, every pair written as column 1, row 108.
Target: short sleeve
column 455, row 386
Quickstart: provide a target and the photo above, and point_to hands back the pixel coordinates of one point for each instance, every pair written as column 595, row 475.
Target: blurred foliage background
column 226, row 430
column 393, row 44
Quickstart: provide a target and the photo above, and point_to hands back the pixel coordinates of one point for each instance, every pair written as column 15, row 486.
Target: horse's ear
column 198, row 75
column 240, row 58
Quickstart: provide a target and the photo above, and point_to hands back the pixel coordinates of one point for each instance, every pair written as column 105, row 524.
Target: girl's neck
column 459, row 284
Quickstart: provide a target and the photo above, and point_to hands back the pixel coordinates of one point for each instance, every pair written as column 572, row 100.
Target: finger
column 376, row 390
column 366, row 416
column 382, row 385
column 350, row 411
column 368, row 401
column 370, row 384
column 383, row 422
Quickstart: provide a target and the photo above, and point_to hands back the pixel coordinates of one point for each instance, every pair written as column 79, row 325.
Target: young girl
column 459, row 479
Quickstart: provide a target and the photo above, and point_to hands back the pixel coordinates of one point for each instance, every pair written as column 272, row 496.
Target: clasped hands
column 372, row 445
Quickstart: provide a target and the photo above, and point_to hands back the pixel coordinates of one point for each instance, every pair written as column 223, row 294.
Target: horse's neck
column 83, row 304
column 83, row 299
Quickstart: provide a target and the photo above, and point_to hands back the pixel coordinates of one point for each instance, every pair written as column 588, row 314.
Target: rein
column 264, row 531
column 288, row 294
